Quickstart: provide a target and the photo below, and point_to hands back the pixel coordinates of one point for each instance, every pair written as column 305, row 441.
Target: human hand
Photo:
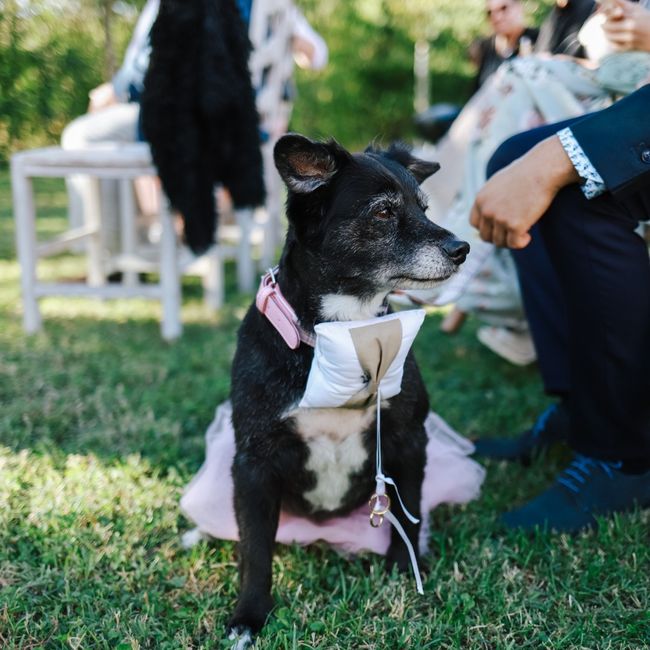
column 627, row 25
column 101, row 97
column 303, row 52
column 516, row 197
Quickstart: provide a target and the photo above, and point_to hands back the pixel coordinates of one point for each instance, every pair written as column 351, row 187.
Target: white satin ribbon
column 381, row 512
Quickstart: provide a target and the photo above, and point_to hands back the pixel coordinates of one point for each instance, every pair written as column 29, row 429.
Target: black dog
column 357, row 230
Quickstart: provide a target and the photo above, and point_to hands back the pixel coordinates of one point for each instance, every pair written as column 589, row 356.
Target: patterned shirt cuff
column 593, row 185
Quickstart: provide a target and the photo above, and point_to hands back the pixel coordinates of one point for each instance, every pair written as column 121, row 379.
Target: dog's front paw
column 241, row 638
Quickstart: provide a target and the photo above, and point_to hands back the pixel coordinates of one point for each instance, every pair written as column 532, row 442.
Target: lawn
column 102, row 424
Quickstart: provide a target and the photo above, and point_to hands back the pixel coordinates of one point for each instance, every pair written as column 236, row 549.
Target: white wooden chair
column 123, row 163
column 271, row 65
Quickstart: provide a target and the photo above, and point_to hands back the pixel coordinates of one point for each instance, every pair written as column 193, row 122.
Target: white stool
column 124, row 163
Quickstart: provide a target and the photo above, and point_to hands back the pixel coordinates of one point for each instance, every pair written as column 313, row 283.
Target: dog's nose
column 457, row 250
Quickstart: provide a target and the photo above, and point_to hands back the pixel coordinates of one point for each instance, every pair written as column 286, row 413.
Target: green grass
column 102, row 424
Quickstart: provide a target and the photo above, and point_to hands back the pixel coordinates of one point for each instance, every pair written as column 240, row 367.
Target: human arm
column 617, row 143
column 101, row 97
column 136, row 59
column 515, row 198
column 309, row 48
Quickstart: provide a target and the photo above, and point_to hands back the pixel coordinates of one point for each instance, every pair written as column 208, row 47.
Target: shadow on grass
column 99, row 379
column 105, row 423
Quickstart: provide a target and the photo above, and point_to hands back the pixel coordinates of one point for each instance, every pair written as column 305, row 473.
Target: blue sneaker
column 586, row 489
column 551, row 428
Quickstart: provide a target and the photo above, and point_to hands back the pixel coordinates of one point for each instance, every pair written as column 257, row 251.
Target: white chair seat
column 271, row 65
column 123, row 163
column 109, row 156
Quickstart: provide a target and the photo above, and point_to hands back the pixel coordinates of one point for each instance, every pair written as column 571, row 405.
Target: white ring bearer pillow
column 352, row 357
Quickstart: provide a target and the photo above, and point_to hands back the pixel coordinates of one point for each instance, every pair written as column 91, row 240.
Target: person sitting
column 558, row 34
column 524, row 93
column 579, row 189
column 510, row 37
column 114, row 116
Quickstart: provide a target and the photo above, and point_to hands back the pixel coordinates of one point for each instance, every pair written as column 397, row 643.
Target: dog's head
column 362, row 218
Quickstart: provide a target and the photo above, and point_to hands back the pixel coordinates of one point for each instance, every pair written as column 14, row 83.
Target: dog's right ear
column 306, row 165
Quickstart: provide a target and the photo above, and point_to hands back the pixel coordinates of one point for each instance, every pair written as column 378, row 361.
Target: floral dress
column 524, row 93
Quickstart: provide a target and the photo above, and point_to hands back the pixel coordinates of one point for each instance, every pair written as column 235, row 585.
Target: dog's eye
column 384, row 213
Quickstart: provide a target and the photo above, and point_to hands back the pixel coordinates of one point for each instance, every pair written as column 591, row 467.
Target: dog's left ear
column 306, row 165
column 421, row 169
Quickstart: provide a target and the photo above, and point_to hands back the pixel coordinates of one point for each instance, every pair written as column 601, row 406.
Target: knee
column 74, row 134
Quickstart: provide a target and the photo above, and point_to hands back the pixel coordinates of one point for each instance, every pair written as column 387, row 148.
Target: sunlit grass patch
column 102, row 424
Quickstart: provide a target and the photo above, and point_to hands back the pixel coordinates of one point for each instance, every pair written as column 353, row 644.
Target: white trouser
column 117, row 123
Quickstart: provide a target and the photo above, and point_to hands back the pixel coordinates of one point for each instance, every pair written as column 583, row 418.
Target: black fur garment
column 198, row 112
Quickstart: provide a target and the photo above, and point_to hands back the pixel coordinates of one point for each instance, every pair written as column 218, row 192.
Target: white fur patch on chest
column 335, row 306
column 336, row 451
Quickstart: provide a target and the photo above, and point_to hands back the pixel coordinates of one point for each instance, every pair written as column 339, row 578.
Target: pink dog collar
column 274, row 306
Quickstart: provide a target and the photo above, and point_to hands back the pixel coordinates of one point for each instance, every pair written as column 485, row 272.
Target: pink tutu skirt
column 450, row 477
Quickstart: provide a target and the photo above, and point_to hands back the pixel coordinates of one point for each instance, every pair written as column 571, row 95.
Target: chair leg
column 128, row 231
column 245, row 263
column 213, row 280
column 269, row 243
column 273, row 207
column 170, row 284
column 25, row 218
column 94, row 247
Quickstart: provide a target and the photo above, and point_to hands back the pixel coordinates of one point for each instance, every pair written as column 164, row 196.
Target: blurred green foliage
column 366, row 91
column 52, row 52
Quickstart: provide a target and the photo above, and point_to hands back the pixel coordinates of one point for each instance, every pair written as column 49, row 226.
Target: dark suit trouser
column 585, row 282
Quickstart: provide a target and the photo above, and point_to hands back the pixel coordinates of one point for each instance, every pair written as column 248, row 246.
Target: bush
column 366, row 91
column 51, row 57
